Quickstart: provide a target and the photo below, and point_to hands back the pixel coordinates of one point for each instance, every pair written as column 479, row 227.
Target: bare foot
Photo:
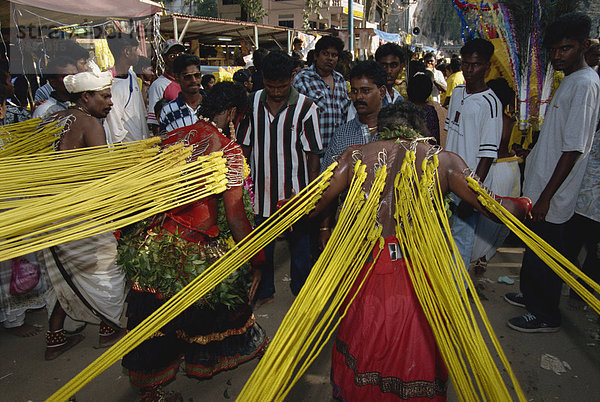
column 25, row 330
column 53, row 352
column 109, row 340
column 261, row 302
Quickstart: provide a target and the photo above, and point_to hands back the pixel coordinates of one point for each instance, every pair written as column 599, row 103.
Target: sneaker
column 516, row 299
column 530, row 323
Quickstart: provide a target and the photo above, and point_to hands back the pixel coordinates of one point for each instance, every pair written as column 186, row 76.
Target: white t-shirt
column 50, row 106
column 438, row 77
column 569, row 125
column 157, row 91
column 127, row 118
column 474, row 125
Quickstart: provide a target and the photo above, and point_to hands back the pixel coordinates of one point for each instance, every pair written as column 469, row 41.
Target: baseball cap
column 169, row 44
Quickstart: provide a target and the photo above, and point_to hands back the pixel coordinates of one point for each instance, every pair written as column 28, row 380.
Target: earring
column 232, row 131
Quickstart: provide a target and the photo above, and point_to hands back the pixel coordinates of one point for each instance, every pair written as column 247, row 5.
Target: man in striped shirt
column 182, row 111
column 474, row 125
column 281, row 138
column 325, row 86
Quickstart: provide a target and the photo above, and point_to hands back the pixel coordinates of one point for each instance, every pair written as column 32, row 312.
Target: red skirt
column 384, row 349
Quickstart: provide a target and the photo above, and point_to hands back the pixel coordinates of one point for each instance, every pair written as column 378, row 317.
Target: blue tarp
column 388, row 37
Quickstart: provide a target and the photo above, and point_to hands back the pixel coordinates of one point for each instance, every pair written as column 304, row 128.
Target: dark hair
column 414, row 67
column 428, row 55
column 278, row 66
column 142, row 63
column 298, row 63
column 310, row 57
column 568, row 26
column 51, row 70
column 402, row 114
column 297, row 40
column 389, row 49
column 119, row 43
column 344, row 64
column 419, row 88
column 480, row 46
column 454, row 64
column 296, row 55
column 71, row 49
column 327, row 42
column 159, row 106
column 242, row 75
column 502, row 90
column 224, row 96
column 258, row 56
column 2, row 94
column 182, row 61
column 206, row 78
column 370, row 69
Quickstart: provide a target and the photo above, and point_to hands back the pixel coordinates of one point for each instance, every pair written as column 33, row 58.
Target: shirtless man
column 89, row 286
column 402, row 350
column 90, row 105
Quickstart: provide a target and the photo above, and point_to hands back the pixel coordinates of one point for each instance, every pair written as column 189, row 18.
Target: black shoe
column 530, row 323
column 516, row 299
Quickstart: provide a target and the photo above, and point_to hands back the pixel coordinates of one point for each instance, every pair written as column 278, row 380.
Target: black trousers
column 539, row 284
column 584, row 232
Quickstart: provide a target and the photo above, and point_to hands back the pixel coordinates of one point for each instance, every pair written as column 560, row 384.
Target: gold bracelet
column 324, row 229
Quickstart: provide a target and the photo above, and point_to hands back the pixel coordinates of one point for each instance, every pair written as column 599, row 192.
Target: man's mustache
column 360, row 103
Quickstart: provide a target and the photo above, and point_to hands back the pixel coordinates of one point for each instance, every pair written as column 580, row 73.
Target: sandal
column 58, row 343
column 108, row 336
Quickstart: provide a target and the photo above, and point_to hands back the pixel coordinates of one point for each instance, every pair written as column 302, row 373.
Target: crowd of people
column 290, row 119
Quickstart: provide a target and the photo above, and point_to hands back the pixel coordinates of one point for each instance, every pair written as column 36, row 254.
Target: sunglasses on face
column 189, row 76
column 174, row 55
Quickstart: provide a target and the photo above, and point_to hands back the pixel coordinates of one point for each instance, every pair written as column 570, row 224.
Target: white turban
column 93, row 80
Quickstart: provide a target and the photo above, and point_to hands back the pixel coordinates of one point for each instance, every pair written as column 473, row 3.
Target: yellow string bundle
column 439, row 282
column 309, row 323
column 30, row 136
column 158, row 184
column 51, row 173
column 223, row 267
column 557, row 262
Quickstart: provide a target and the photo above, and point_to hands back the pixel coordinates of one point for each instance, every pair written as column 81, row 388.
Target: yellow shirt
column 452, row 81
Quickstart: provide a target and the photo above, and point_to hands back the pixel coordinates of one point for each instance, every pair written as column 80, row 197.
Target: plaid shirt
column 177, row 114
column 352, row 133
column 333, row 108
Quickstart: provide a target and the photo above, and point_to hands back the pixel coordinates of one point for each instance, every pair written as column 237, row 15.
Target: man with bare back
column 89, row 285
column 384, row 347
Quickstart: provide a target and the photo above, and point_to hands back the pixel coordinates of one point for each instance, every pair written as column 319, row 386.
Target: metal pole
column 175, row 29
column 289, row 41
column 256, row 35
column 351, row 27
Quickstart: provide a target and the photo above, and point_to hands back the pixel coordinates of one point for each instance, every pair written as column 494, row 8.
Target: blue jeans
column 300, row 261
column 463, row 232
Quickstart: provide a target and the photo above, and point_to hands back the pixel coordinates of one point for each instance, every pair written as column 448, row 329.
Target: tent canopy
column 106, row 8
column 212, row 31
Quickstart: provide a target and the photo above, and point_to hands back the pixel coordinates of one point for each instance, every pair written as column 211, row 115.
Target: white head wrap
column 92, row 80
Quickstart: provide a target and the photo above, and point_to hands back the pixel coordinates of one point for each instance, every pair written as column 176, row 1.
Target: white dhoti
column 91, row 265
column 505, row 180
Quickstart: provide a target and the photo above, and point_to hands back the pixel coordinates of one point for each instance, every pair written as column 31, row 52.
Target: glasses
column 189, row 76
column 175, row 55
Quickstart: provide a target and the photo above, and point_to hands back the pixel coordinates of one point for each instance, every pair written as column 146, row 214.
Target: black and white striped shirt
column 279, row 145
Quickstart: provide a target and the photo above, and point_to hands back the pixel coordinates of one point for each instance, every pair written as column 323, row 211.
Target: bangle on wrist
column 324, row 228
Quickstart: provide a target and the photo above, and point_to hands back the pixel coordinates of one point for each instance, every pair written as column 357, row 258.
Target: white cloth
column 588, row 200
column 93, row 80
column 504, row 179
column 127, row 118
column 438, row 77
column 155, row 93
column 474, row 125
column 569, row 125
column 91, row 264
column 50, row 106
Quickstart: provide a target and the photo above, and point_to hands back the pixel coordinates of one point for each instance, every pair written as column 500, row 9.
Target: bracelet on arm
column 323, row 229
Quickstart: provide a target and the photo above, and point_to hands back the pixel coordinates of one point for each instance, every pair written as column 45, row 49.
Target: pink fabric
column 172, row 91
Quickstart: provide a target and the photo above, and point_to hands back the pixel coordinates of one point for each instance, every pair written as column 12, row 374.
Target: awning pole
column 256, row 36
column 351, row 27
column 175, row 30
column 289, row 41
column 187, row 23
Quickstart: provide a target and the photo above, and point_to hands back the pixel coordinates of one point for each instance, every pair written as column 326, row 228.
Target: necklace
column 82, row 110
column 372, row 128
